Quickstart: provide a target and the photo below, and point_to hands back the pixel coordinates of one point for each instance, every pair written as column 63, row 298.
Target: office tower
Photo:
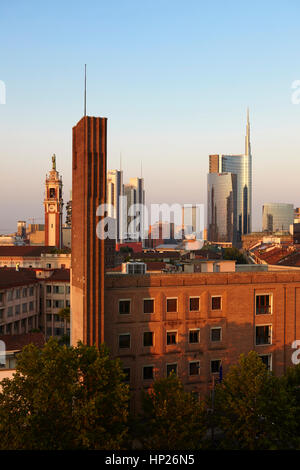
column 115, row 193
column 221, row 207
column 21, row 230
column 53, row 203
column 241, row 165
column 277, row 217
column 135, row 196
column 88, row 250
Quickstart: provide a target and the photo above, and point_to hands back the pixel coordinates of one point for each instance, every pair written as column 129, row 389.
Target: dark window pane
column 216, row 303
column 263, row 334
column 194, row 336
column 148, row 306
column 194, row 368
column 148, row 338
column 171, row 337
column 215, row 366
column 194, row 304
column 171, row 368
column 263, row 304
column 148, row 372
column 171, row 305
column 124, row 306
column 215, row 334
column 124, row 341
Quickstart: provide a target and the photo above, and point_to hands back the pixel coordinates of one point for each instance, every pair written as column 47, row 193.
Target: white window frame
column 172, row 298
column 194, row 329
column 194, row 362
column 271, row 303
column 194, row 297
column 124, row 300
column 172, row 364
column 221, row 335
column 124, row 334
column 214, row 297
column 271, row 360
column 171, row 331
column 149, row 298
column 271, row 335
column 153, row 338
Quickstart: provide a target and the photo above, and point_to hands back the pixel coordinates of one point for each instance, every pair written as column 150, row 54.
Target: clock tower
column 53, row 207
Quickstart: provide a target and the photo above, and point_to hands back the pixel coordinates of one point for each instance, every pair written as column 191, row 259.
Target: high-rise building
column 221, row 207
column 115, row 194
column 88, row 249
column 241, row 165
column 53, row 203
column 135, row 196
column 277, row 217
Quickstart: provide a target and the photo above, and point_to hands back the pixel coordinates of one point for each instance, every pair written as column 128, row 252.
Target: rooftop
column 17, row 342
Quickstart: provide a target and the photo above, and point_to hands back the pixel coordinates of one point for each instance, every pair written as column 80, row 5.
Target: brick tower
column 53, row 203
column 88, row 251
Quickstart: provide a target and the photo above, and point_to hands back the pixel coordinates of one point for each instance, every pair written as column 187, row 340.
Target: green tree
column 173, row 419
column 291, row 381
column 253, row 408
column 234, row 254
column 64, row 398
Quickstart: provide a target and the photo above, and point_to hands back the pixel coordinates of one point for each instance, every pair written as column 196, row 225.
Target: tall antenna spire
column 247, row 139
column 120, row 161
column 141, row 169
column 84, row 89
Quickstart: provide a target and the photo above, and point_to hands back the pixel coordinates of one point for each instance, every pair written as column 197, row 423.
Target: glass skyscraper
column 241, row 166
column 277, row 217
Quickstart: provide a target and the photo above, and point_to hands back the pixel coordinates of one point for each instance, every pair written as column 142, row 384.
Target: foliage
column 173, row 419
column 64, row 313
column 64, row 398
column 234, row 254
column 253, row 407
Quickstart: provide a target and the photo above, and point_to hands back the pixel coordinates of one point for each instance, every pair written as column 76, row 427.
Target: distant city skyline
column 174, row 84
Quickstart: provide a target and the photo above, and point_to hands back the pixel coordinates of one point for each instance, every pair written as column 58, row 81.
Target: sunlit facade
column 277, row 217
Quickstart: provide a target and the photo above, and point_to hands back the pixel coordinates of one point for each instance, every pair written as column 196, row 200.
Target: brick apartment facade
column 193, row 323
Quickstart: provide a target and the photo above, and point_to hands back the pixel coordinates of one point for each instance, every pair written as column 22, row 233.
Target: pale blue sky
column 174, row 79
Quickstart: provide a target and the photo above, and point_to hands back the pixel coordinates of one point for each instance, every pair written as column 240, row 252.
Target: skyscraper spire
column 84, row 89
column 247, row 138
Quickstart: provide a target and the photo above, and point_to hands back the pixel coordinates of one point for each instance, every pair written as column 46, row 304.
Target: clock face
column 51, row 208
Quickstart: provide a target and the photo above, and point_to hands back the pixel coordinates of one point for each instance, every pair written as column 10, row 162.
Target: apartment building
column 193, row 324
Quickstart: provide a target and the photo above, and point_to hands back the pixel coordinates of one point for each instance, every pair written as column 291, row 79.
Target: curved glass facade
column 221, row 207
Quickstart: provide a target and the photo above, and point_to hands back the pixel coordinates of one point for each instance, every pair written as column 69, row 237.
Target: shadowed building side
column 88, row 251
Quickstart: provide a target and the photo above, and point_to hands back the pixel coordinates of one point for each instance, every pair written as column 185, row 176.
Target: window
column 48, row 289
column 17, row 309
column 31, row 291
column 24, row 308
column 48, row 303
column 148, row 305
column 49, row 317
column 216, row 334
column 124, row 341
column 124, row 306
column 10, row 311
column 126, row 371
column 171, row 368
column 215, row 366
column 148, row 338
column 216, row 303
column 68, row 303
column 25, row 292
column 194, row 336
column 263, row 334
column 18, row 293
column 10, row 295
column 148, row 372
column 194, row 368
column 48, row 265
column 1, row 313
column 58, row 289
column 68, row 289
column 172, row 305
column 58, row 303
column 194, row 304
column 263, row 304
column 30, row 306
column 171, row 337
column 267, row 360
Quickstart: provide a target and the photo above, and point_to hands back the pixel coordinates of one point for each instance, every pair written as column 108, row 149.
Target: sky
column 174, row 80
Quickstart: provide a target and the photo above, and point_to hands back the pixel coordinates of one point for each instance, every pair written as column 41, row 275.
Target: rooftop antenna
column 141, row 169
column 120, row 161
column 84, row 89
